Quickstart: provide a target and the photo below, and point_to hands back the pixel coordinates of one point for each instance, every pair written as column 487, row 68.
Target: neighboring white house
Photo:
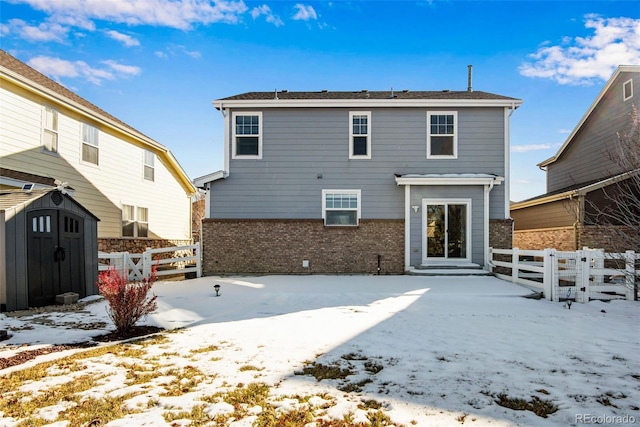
column 133, row 184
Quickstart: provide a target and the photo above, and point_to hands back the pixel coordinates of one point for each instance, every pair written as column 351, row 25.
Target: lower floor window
column 135, row 221
column 341, row 207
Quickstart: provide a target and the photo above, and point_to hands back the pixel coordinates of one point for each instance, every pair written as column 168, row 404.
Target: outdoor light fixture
column 217, row 288
column 415, row 208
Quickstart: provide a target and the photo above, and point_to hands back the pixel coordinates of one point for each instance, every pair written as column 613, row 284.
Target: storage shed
column 48, row 247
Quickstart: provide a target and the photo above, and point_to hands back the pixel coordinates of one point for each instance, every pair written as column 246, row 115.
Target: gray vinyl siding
column 301, row 144
column 586, row 159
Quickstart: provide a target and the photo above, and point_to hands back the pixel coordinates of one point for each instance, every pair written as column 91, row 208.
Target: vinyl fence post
column 555, row 277
column 146, row 263
column 585, row 257
column 547, row 274
column 630, row 274
column 198, row 260
column 515, row 258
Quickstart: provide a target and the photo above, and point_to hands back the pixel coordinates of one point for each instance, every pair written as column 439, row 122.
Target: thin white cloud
column 581, row 60
column 44, row 32
column 125, row 39
column 58, row 68
column 304, row 13
column 265, row 11
column 181, row 14
column 121, row 69
column 177, row 50
column 529, row 147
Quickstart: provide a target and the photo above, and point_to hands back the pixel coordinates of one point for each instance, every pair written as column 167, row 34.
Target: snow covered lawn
column 426, row 351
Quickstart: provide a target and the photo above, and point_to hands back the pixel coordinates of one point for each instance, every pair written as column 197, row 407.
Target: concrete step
column 448, row 271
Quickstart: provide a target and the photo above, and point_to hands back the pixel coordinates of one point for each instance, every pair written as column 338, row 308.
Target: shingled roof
column 365, row 94
column 13, row 64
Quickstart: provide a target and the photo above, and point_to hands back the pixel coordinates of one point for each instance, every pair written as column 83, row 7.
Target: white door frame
column 446, row 202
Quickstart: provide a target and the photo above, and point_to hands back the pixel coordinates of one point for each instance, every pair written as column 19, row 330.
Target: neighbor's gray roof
column 364, row 94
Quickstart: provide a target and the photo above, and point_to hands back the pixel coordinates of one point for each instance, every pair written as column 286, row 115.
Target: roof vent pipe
column 470, row 87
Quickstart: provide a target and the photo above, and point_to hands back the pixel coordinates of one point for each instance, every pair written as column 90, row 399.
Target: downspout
column 579, row 219
column 487, row 190
column 225, row 113
column 407, row 227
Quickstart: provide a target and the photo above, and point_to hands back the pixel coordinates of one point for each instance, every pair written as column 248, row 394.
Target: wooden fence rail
column 170, row 261
column 578, row 276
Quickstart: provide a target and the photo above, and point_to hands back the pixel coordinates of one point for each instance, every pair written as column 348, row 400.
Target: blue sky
column 158, row 64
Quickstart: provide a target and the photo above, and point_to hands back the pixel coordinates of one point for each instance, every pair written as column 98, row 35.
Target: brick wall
column 280, row 246
column 501, row 233
column 136, row 246
column 560, row 238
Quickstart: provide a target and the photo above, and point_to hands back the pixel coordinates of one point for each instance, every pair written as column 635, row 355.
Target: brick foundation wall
column 608, row 238
column 136, row 246
column 560, row 238
column 501, row 233
column 280, row 246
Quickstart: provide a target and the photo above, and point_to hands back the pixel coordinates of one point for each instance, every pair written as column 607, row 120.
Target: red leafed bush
column 128, row 301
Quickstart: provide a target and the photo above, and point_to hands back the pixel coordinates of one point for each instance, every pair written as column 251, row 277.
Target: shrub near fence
column 579, row 276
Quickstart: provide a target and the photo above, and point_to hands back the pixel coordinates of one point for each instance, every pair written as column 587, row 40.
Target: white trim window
column 49, row 129
column 442, row 135
column 341, row 207
column 90, row 135
column 247, row 135
column 360, row 134
column 627, row 90
column 149, row 168
column 135, row 221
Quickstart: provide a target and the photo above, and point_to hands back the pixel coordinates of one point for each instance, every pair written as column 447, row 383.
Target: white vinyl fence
column 578, row 276
column 183, row 259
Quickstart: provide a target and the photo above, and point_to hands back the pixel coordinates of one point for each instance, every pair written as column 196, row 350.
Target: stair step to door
column 448, row 271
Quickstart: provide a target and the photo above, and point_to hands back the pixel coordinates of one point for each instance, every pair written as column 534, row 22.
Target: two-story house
column 51, row 136
column 583, row 175
column 358, row 182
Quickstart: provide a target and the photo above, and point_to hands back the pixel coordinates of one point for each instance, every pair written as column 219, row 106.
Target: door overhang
column 488, row 181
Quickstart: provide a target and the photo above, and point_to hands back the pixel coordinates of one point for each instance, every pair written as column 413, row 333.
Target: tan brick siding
column 280, row 246
column 560, row 238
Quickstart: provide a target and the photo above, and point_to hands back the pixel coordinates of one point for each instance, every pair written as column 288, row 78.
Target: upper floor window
column 341, row 207
column 89, row 144
column 360, row 135
column 247, row 135
column 135, row 221
column 442, row 135
column 50, row 129
column 627, row 90
column 149, row 169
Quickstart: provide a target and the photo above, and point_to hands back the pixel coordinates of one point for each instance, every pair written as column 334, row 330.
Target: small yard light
column 217, row 288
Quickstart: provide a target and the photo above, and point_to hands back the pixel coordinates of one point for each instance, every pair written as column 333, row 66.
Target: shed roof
column 13, row 198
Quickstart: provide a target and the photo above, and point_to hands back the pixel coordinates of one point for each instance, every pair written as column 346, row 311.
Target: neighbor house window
column 627, row 89
column 135, row 221
column 149, row 169
column 360, row 135
column 50, row 129
column 89, row 144
column 442, row 135
column 247, row 135
column 341, row 207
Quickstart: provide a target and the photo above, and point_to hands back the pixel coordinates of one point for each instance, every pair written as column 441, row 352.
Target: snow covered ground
column 433, row 351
